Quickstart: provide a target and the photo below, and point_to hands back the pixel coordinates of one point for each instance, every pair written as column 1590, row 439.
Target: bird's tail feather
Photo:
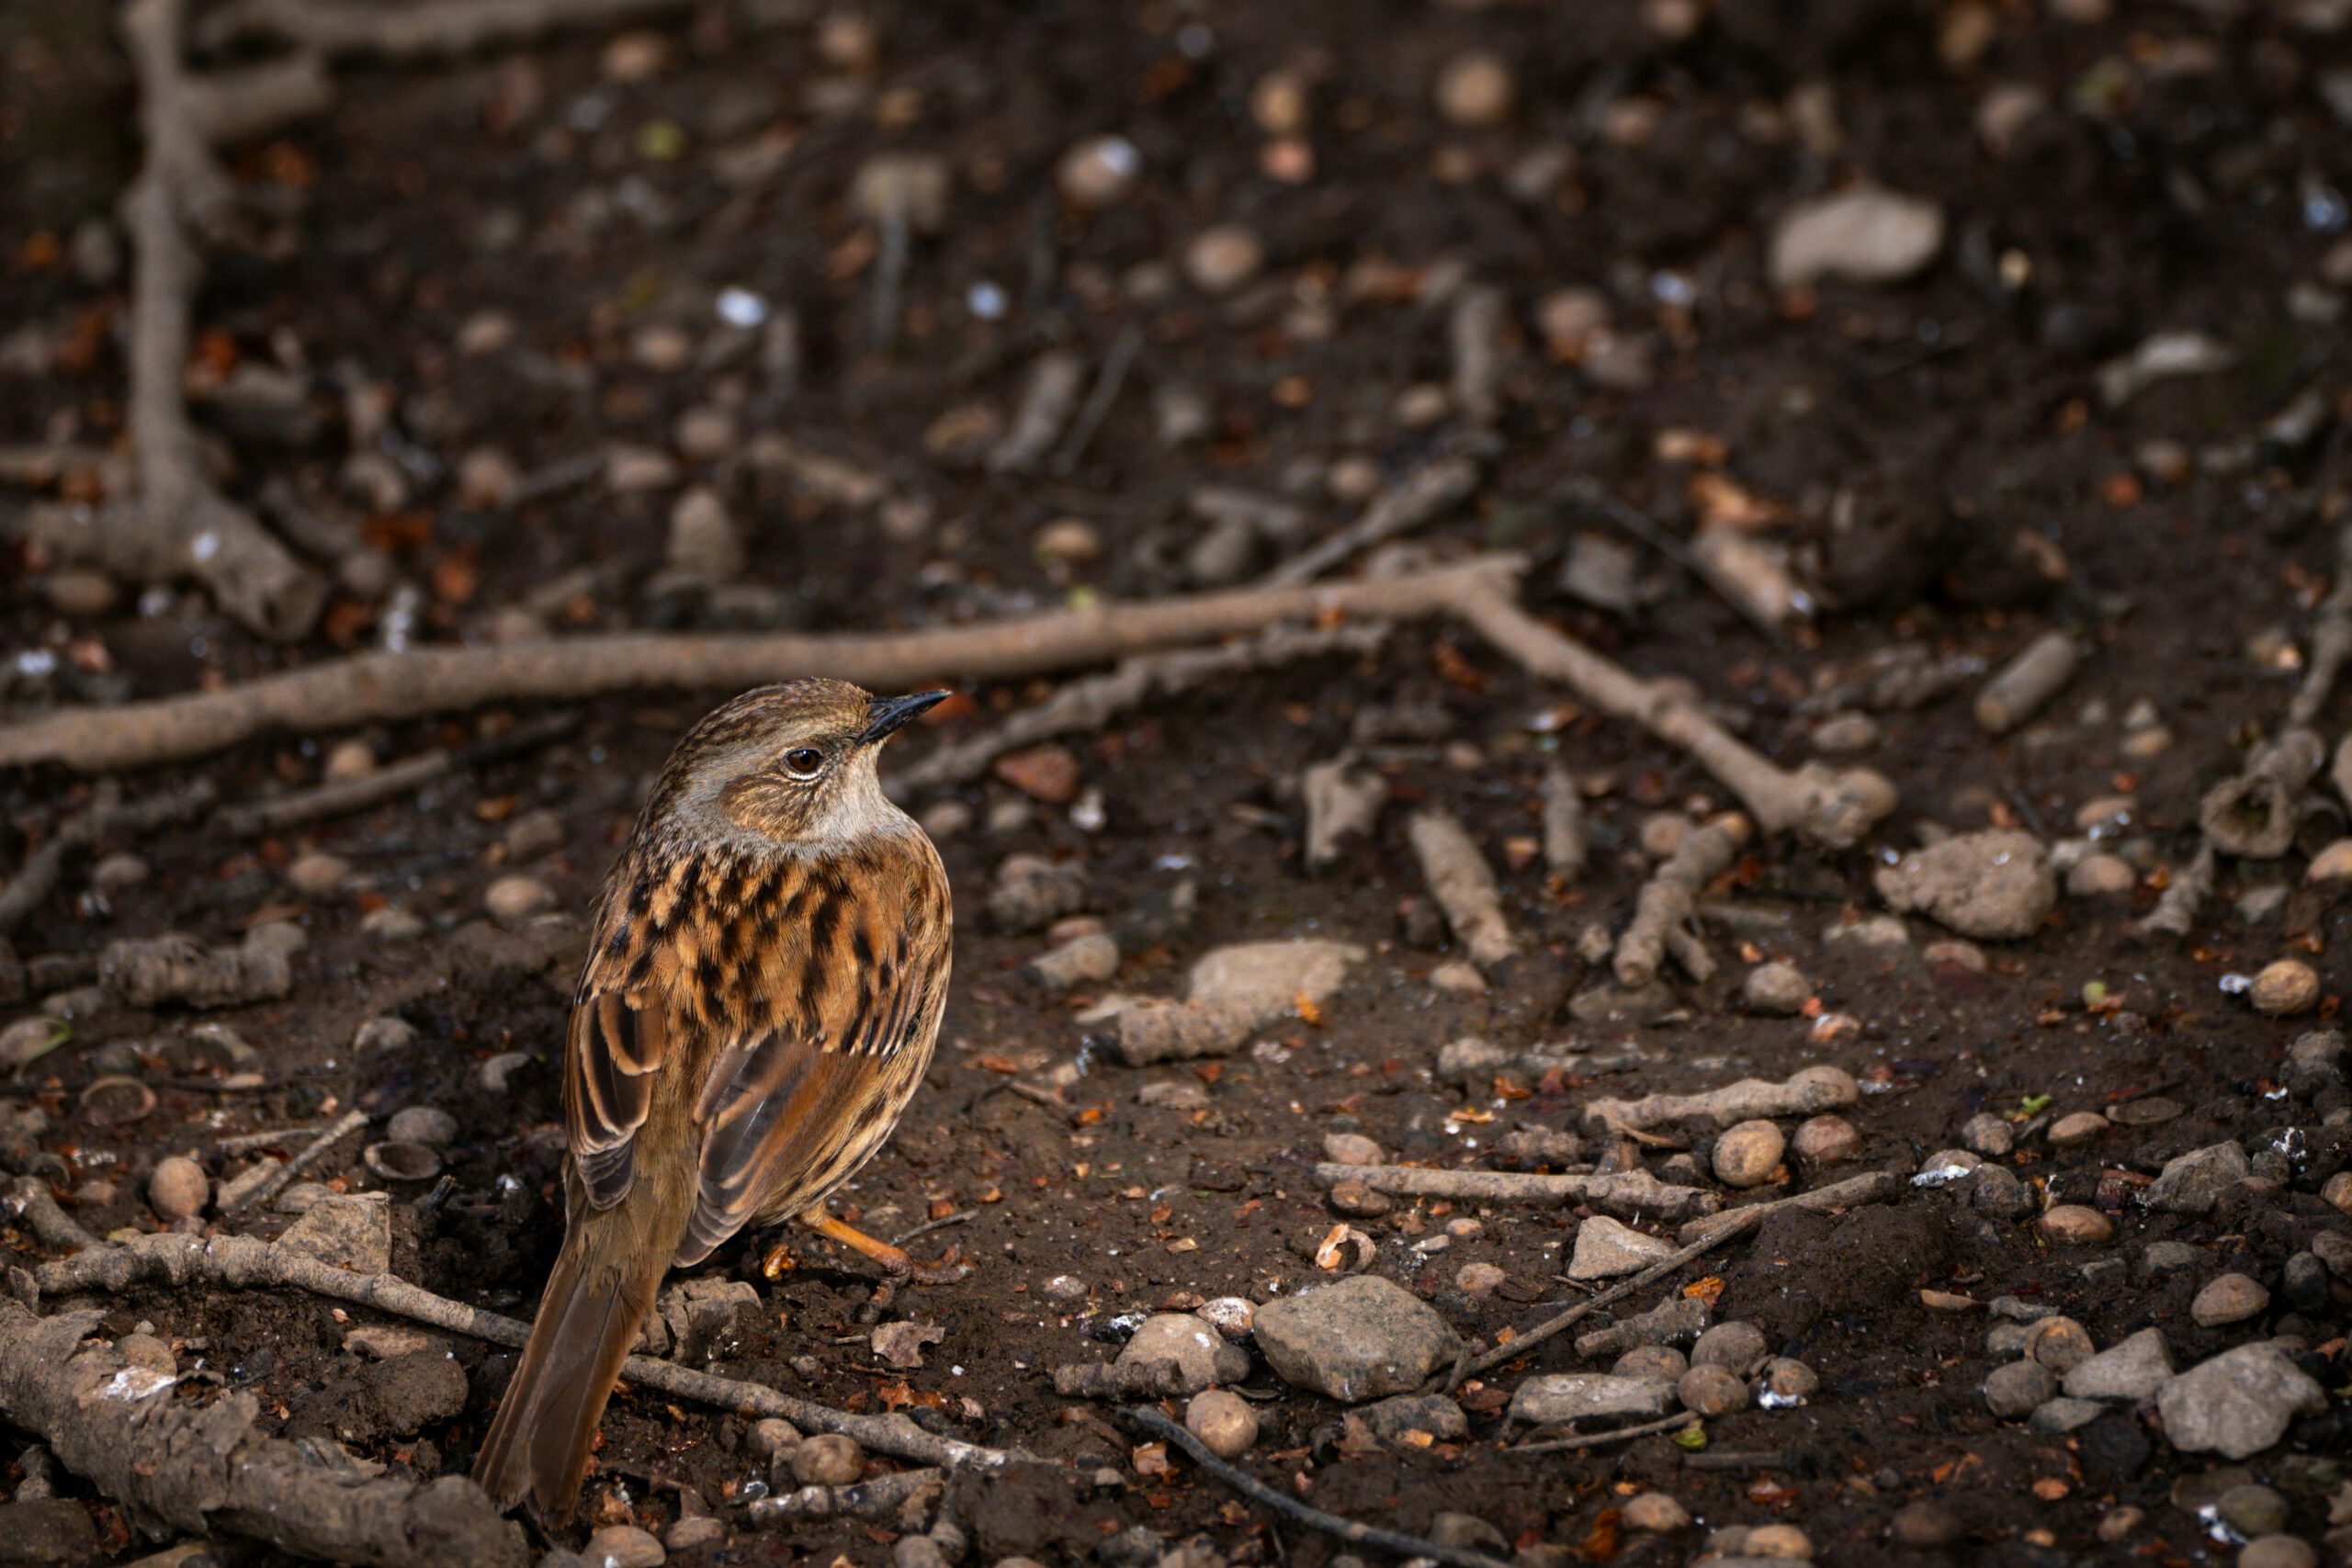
column 596, row 1298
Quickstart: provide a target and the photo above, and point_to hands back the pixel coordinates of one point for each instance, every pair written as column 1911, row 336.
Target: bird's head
column 792, row 763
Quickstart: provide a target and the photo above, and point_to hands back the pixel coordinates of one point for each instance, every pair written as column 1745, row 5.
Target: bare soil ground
column 473, row 274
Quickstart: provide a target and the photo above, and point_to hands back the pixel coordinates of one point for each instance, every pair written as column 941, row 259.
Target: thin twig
column 339, row 798
column 51, row 1225
column 1265, row 1497
column 264, row 1191
column 1679, row 1419
column 1589, row 496
column 959, row 1217
column 108, row 817
column 1418, row 498
column 1116, row 363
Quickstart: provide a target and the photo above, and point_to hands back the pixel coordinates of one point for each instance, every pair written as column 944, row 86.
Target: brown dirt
column 1939, row 415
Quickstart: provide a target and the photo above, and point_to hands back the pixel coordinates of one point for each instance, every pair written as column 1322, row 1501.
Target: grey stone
column 1606, row 1249
column 2134, row 1369
column 1676, row 1321
column 2013, row 1389
column 1392, row 1420
column 1739, row 1347
column 1996, row 883
column 2064, row 1415
column 2238, row 1403
column 2192, row 1183
column 2227, row 1299
column 1199, row 1352
column 1558, row 1397
column 351, row 1231
column 2164, row 1258
column 1360, row 1338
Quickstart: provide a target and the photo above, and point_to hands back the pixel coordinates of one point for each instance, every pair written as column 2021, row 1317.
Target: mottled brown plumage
column 770, row 959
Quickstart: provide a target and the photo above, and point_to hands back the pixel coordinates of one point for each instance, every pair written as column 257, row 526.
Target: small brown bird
column 769, row 963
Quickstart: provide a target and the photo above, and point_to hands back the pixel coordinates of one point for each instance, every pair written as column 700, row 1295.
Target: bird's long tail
column 597, row 1296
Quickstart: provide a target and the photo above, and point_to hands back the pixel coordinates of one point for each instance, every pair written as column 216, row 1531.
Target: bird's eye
column 804, row 762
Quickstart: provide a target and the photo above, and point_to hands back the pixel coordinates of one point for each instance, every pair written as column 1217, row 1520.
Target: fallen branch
column 1591, row 497
column 1832, row 808
column 2255, row 815
column 340, row 797
column 179, row 526
column 1132, row 1380
column 1808, row 1092
column 1420, row 497
column 431, row 28
column 1666, row 912
column 1622, row 1193
column 106, row 818
column 1147, row 1419
column 175, row 969
column 1559, row 1323
column 51, row 1226
column 879, row 1501
column 1463, row 885
column 411, row 683
column 1093, row 704
column 270, row 1186
column 242, row 1263
column 2026, row 684
column 1473, row 1061
column 204, row 1468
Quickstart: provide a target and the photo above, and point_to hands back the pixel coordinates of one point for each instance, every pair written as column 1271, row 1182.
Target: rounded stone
column 1067, row 541
column 1777, row 989
column 316, row 875
column 2338, row 1193
column 1826, row 1140
column 1787, row 1382
column 1476, row 90
column 1351, row 1149
column 1737, row 1347
column 1654, row 1513
column 1662, row 833
column 694, row 1532
column 1064, row 1288
column 2284, row 988
column 624, row 1546
column 512, row 899
column 177, row 1188
column 1479, row 1279
column 1223, row 258
column 1988, row 1135
column 1223, row 1420
column 1924, row 1525
column 2101, row 876
column 774, row 1435
column 1660, row 1363
column 1101, row 171
column 1747, row 1154
column 2059, row 1343
column 2012, row 1391
column 2252, row 1509
column 2077, row 1224
column 1710, row 1391
column 427, row 1124
column 2078, row 1128
column 118, row 872
column 827, row 1459
column 2278, row 1552
column 2227, row 1299
column 1783, row 1542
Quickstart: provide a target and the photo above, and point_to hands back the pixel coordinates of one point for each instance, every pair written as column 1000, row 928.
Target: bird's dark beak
column 884, row 716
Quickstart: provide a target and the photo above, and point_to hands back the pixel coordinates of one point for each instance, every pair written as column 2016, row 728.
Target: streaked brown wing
column 854, row 977
column 617, row 1041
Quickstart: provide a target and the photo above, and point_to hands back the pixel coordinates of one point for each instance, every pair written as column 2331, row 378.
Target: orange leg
column 895, row 1263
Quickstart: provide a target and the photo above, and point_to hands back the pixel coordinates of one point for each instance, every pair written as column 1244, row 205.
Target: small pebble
column 772, row 1435
column 1221, row 259
column 2080, row 1127
column 827, row 1459
column 2078, row 1224
column 392, row 924
column 2101, row 876
column 177, row 1187
column 1846, row 735
column 1351, row 1149
column 1662, row 833
column 1064, row 1288
column 623, row 1546
column 2278, row 1552
column 1966, row 956
column 1359, row 1201
column 2284, row 988
column 1479, row 1279
column 118, row 872
column 1747, row 1154
column 512, row 899
column 1924, row 1525
column 1711, row 1391
column 2227, row 1299
column 2119, row 1522
column 1654, row 1513
column 1099, row 172
column 1738, row 1347
column 1223, row 1420
column 1826, row 1140
column 2059, row 1343
column 1784, row 1541
column 1067, row 541
column 1988, row 1134
column 1662, row 1364
column 2012, row 1391
column 1787, row 1382
column 427, row 1124
column 315, row 874
column 1476, row 90
column 1777, row 990
column 694, row 1532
